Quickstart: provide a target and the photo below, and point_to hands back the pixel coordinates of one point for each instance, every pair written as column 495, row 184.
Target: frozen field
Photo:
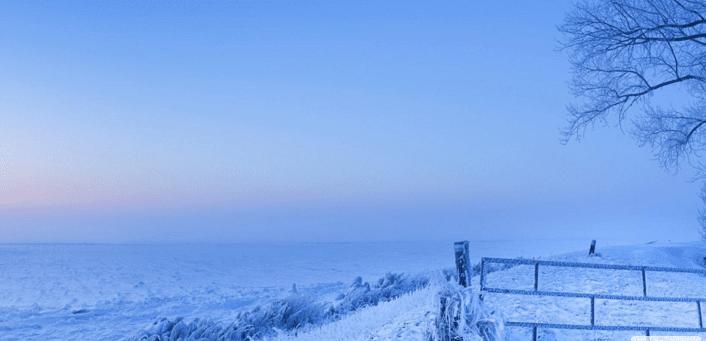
column 111, row 292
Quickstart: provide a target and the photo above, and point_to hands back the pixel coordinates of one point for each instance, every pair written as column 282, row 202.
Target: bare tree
column 701, row 216
column 623, row 52
column 629, row 59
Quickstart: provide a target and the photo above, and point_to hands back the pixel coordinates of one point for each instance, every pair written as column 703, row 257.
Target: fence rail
column 593, row 296
column 523, row 261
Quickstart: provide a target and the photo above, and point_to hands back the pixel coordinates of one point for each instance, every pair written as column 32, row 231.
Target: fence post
column 463, row 265
column 592, row 249
column 536, row 276
column 644, row 283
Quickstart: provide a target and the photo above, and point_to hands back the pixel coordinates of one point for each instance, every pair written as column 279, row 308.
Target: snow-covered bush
column 462, row 316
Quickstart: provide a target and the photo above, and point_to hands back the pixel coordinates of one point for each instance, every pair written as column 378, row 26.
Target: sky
column 250, row 121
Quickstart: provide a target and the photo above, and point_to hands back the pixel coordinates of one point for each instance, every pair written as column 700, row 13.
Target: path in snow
column 409, row 317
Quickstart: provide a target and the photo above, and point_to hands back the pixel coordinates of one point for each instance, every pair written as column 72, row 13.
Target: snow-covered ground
column 113, row 292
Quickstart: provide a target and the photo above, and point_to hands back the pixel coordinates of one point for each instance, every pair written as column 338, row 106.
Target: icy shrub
column 462, row 316
column 291, row 313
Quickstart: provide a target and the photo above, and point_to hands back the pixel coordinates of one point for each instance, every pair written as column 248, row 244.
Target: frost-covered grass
column 294, row 312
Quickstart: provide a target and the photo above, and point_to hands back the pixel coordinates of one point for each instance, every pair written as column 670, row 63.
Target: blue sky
column 309, row 121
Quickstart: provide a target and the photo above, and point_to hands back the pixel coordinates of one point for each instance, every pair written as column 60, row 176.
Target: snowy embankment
column 396, row 307
column 414, row 316
column 296, row 312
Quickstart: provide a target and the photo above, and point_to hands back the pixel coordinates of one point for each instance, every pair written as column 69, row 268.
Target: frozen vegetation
column 294, row 312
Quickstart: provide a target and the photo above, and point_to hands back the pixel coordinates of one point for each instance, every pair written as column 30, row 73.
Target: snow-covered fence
column 593, row 296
